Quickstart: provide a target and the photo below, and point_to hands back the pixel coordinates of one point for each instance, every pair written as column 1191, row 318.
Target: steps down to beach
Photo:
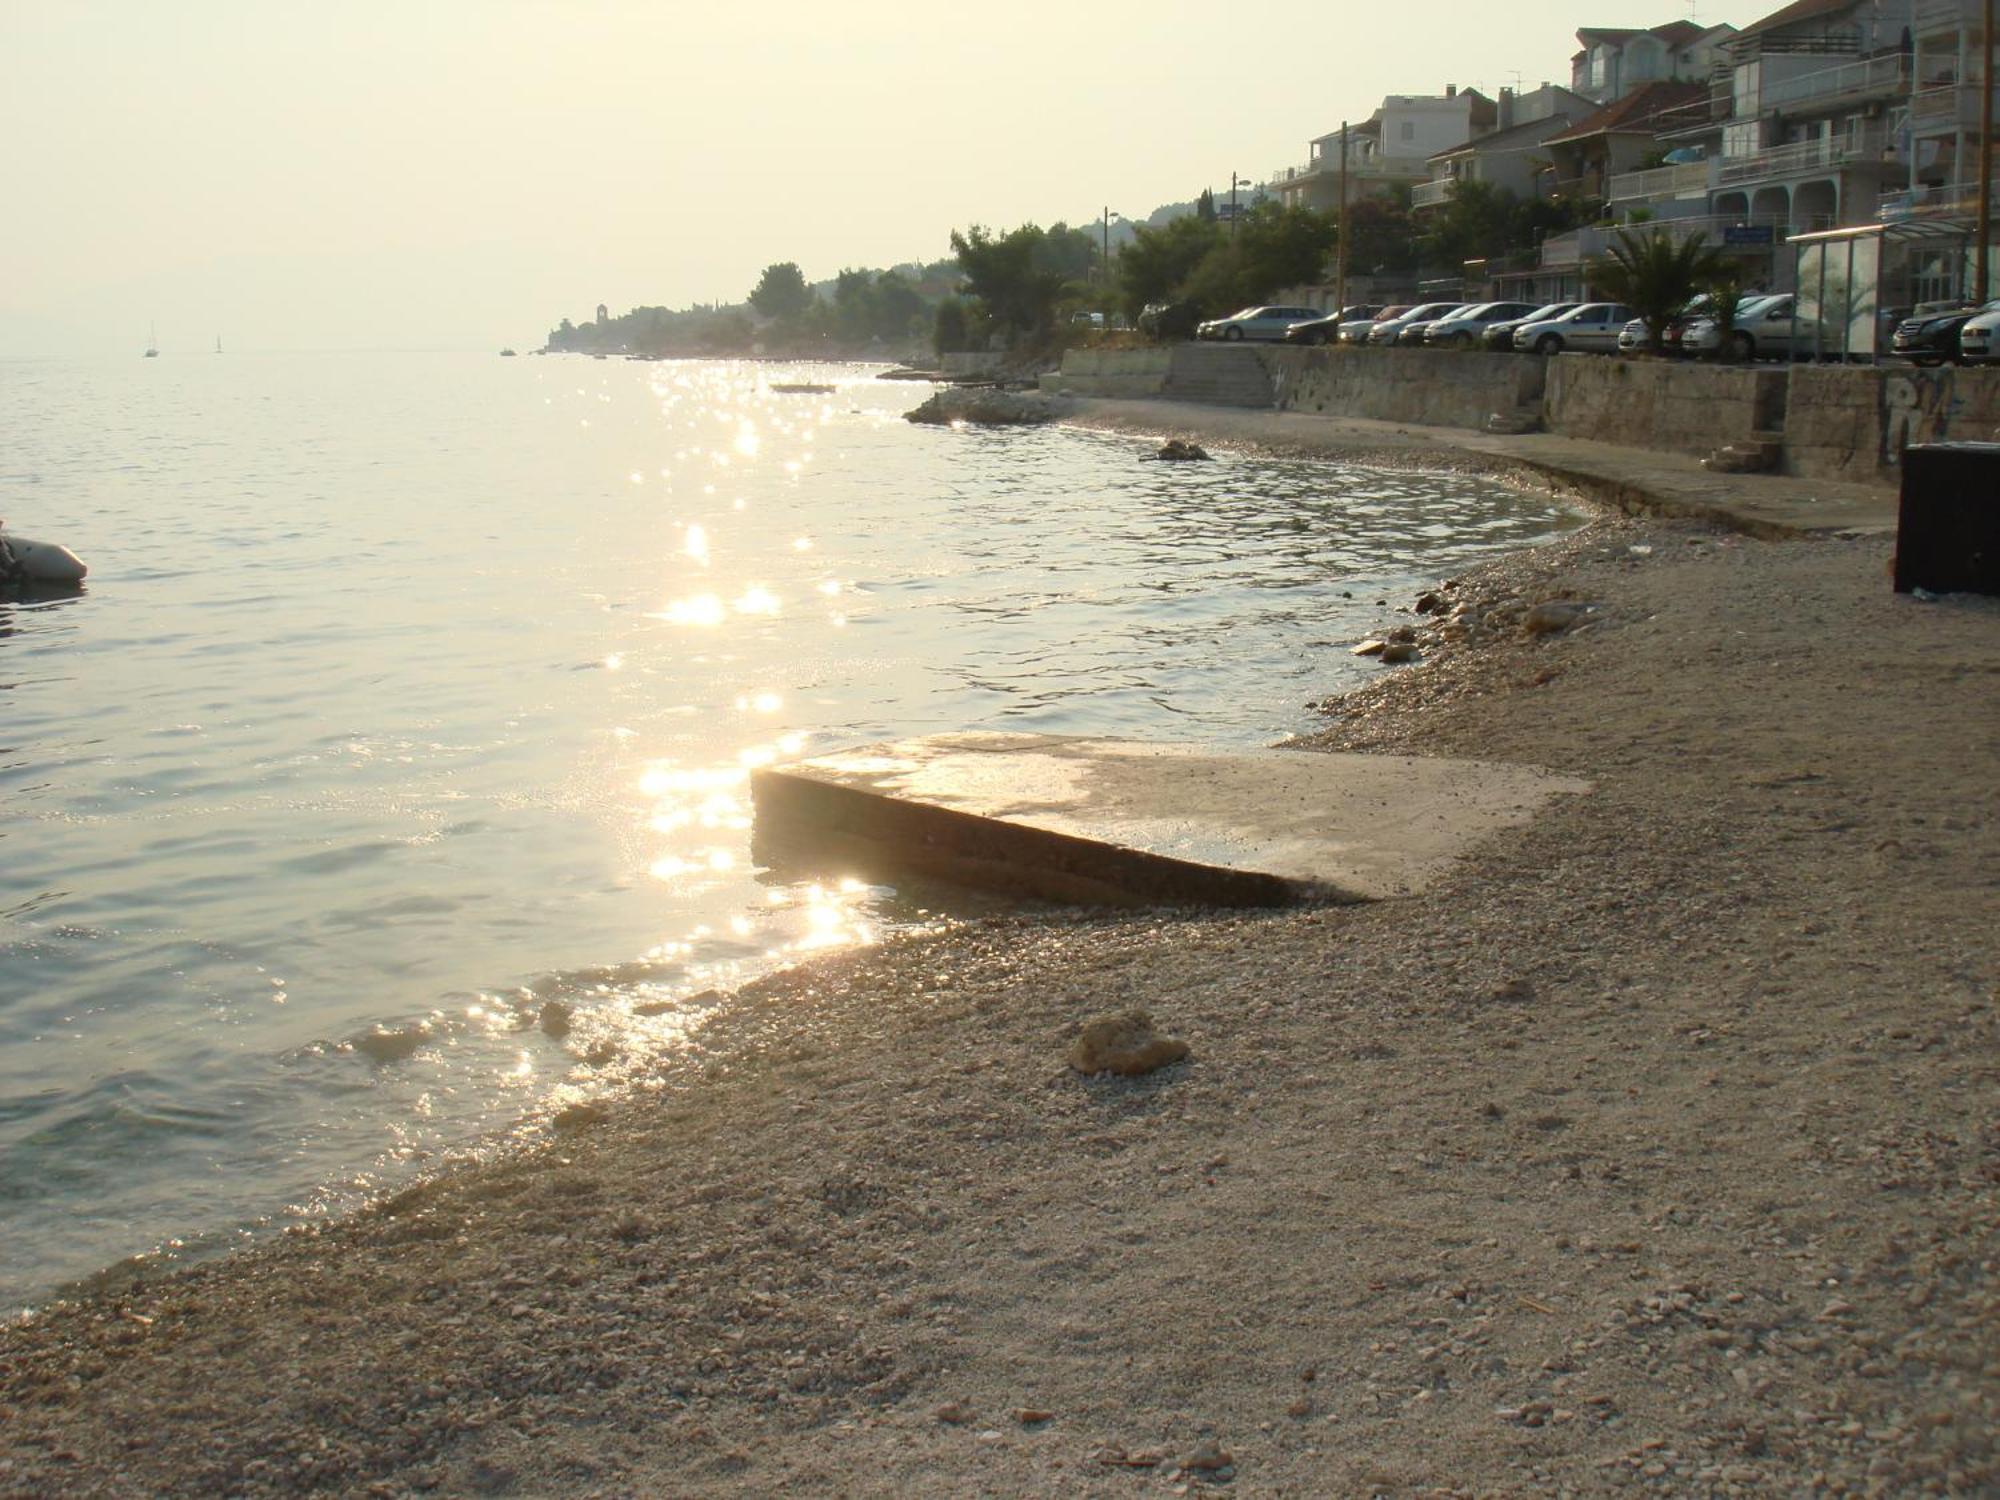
column 1222, row 375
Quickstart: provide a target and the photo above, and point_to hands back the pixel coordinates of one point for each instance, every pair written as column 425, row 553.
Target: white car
column 1359, row 331
column 1468, row 325
column 1389, row 332
column 1979, row 339
column 1593, row 326
column 1761, row 329
column 1257, row 323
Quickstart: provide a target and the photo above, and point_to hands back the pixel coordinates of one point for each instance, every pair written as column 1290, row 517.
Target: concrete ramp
column 1128, row 823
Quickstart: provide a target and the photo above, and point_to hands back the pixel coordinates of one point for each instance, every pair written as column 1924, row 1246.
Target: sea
column 384, row 790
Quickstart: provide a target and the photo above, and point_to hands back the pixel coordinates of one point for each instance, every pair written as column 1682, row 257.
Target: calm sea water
column 411, row 693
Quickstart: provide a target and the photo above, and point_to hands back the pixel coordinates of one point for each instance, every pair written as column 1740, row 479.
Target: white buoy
column 38, row 562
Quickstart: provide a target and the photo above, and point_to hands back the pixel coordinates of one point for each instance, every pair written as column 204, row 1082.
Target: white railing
column 1684, row 180
column 1579, row 245
column 1873, row 75
column 1932, row 202
column 1369, row 166
column 1431, row 194
column 1801, row 156
column 1937, row 15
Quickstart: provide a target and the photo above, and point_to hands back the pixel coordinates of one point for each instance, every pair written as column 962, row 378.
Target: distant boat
column 802, row 388
column 218, row 343
column 506, row 353
column 152, row 343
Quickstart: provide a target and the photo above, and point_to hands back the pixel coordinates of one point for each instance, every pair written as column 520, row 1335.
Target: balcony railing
column 1685, row 180
column 1932, row 16
column 1560, row 251
column 1874, row 75
column 1370, row 167
column 1946, row 104
column 1431, row 194
column 1827, row 153
column 1952, row 199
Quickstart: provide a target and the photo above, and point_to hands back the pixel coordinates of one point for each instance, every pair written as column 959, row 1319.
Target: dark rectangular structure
column 1948, row 528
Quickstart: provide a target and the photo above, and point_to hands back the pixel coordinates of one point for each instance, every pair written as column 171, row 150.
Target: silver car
column 1358, row 331
column 1593, row 326
column 1761, row 329
column 1390, row 332
column 1463, row 328
column 1257, row 323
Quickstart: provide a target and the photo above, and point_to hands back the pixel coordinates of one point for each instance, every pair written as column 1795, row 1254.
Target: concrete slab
column 1125, row 823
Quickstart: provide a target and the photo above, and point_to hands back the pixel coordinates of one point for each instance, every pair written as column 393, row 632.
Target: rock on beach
column 985, row 408
column 1124, row 1043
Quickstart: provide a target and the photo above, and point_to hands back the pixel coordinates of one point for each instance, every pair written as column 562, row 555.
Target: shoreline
column 1725, row 1198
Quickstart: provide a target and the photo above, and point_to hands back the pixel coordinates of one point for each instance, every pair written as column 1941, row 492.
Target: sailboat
column 152, row 343
column 218, row 343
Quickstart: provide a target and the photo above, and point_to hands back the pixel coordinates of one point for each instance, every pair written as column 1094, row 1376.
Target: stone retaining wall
column 1126, row 373
column 1663, row 405
column 1853, row 421
column 1436, row 387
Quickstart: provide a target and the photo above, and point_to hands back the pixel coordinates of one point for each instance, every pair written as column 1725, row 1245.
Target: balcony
column 1946, row 106
column 1368, row 168
column 1855, row 80
column 1431, row 194
column 1828, row 154
column 1952, row 200
column 1564, row 251
column 1933, row 16
column 1686, row 180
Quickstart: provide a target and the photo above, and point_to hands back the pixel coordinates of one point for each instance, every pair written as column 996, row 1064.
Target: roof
column 1637, row 112
column 1798, row 10
column 1529, row 132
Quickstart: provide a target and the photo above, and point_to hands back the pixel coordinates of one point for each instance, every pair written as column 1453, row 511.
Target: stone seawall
column 1827, row 421
column 1853, row 422
column 1431, row 386
column 1662, row 405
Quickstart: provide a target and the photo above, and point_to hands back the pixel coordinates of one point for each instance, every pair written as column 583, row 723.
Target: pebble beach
column 1654, row 1149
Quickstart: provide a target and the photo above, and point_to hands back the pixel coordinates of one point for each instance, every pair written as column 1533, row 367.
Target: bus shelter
column 1853, row 285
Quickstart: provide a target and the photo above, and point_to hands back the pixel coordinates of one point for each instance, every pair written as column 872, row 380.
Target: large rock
column 985, row 408
column 1124, row 1043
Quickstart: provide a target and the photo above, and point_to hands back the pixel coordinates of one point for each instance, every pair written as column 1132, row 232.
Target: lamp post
column 1983, row 251
column 1233, row 180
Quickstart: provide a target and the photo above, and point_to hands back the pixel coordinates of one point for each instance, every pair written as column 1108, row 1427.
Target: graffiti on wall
column 1917, row 407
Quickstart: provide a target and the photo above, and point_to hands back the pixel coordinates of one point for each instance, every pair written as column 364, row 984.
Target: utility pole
column 1340, row 263
column 1232, row 201
column 1983, row 251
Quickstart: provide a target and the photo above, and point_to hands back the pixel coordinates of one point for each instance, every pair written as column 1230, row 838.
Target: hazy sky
column 463, row 173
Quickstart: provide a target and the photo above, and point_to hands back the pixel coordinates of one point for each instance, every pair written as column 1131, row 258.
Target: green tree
column 1653, row 275
column 781, row 291
column 1380, row 238
column 1158, row 262
column 1725, row 294
column 949, row 332
column 1016, row 278
column 1477, row 221
column 1283, row 247
column 1204, row 206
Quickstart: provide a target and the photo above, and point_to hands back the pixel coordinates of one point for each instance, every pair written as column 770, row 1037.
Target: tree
column 781, row 291
column 950, row 333
column 1015, row 278
column 1379, row 235
column 1158, row 262
column 1478, row 221
column 1654, row 276
column 1204, row 206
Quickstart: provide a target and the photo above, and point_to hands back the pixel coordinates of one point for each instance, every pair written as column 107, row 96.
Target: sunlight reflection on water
column 389, row 784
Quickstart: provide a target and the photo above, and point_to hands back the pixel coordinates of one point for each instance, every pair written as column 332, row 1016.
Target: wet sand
column 1653, row 1148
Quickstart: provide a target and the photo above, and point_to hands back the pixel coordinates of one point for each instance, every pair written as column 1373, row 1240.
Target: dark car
column 1326, row 330
column 1501, row 335
column 1930, row 335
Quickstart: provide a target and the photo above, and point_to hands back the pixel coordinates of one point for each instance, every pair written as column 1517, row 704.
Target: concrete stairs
column 1222, row 375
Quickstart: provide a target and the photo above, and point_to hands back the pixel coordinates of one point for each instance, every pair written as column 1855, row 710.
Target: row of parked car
column 1763, row 327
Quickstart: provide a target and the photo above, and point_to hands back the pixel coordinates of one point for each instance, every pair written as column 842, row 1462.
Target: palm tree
column 1655, row 275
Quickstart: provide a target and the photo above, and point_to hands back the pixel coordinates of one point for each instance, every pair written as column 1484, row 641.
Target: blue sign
column 1749, row 234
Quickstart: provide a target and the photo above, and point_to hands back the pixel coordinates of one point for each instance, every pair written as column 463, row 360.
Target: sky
column 446, row 174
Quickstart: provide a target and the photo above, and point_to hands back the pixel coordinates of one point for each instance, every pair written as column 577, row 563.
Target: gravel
column 1655, row 1149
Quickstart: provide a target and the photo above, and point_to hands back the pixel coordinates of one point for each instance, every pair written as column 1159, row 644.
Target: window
column 1407, row 130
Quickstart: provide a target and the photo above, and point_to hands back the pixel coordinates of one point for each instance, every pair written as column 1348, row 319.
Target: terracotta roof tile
column 1637, row 110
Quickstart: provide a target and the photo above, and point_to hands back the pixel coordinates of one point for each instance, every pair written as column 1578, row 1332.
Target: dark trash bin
column 1948, row 527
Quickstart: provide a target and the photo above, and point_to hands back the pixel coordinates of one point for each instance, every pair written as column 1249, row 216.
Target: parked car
column 1762, row 329
column 1632, row 337
column 1464, row 328
column 1256, row 323
column 1390, row 332
column 1930, row 335
column 1168, row 320
column 1591, row 326
column 1501, row 335
column 1327, row 330
column 1359, row 331
column 1412, row 333
column 1979, row 339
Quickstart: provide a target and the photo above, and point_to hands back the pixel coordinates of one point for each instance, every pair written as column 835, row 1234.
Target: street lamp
column 1233, row 180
